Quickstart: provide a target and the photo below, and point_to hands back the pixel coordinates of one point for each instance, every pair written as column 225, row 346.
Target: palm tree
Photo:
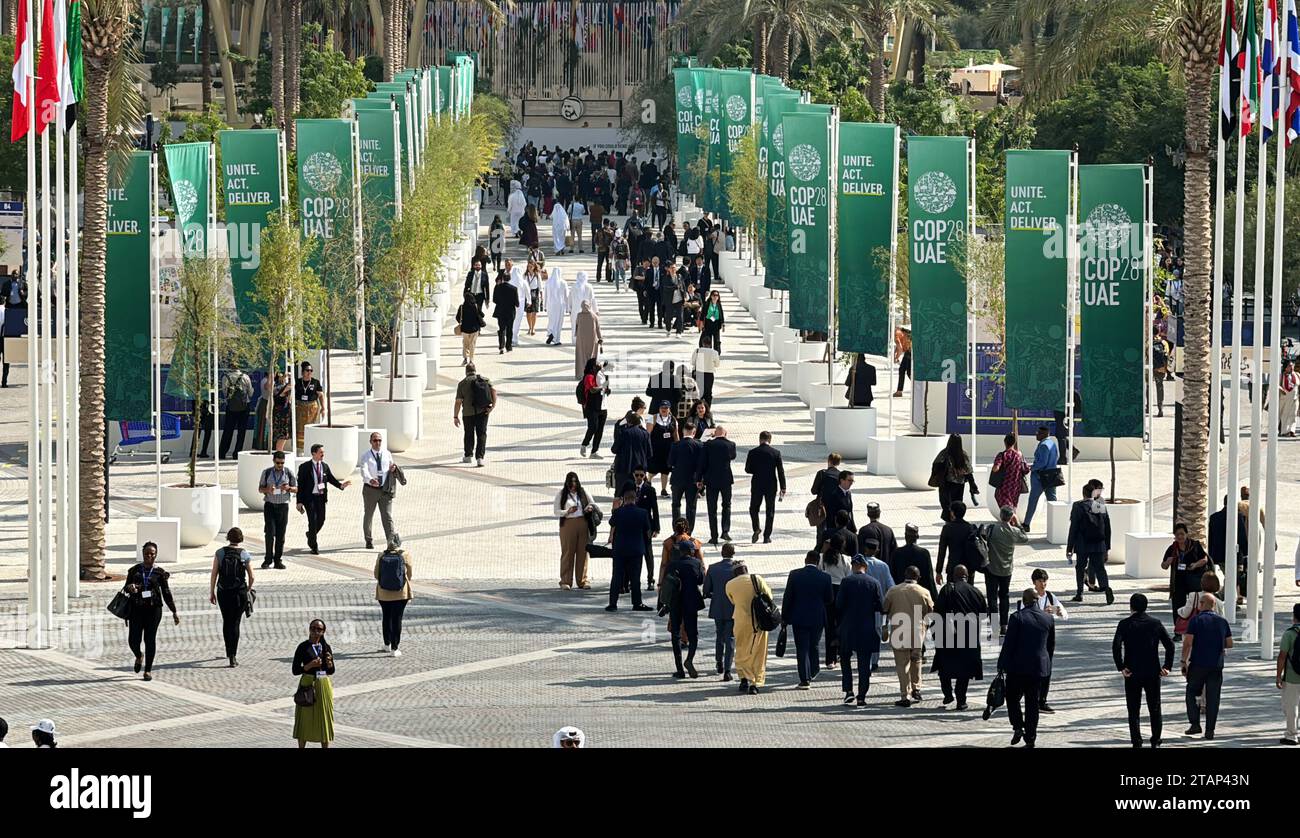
column 876, row 17
column 111, row 114
column 274, row 12
column 1187, row 32
column 292, row 68
column 789, row 24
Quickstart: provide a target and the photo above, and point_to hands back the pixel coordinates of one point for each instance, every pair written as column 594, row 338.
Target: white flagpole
column 832, row 263
column 1071, row 289
column 47, row 371
column 63, row 560
column 209, row 235
column 972, row 319
column 893, row 283
column 1275, row 354
column 1148, row 248
column 1234, row 402
column 74, row 371
column 1257, row 380
column 155, row 329
column 37, row 580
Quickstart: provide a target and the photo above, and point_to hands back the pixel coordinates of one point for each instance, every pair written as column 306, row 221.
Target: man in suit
column 683, row 616
column 314, row 480
column 848, row 538
column 1217, row 540
column 839, row 497
column 478, row 283
column 912, row 554
column 808, row 593
column 378, row 471
column 713, row 476
column 907, row 605
column 631, row 452
column 764, row 463
column 858, row 604
column 505, row 298
column 683, row 458
column 629, row 528
column 823, row 482
column 721, row 611
column 881, row 533
column 651, row 312
column 1137, row 657
column 1089, row 540
column 1030, row 640
column 955, row 547
column 649, row 501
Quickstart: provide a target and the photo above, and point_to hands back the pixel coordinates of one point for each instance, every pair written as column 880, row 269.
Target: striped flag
column 1271, row 65
column 47, row 70
column 1292, row 25
column 1248, row 64
column 1229, row 74
column 22, row 75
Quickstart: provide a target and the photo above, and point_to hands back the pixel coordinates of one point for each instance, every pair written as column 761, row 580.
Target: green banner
column 809, row 187
column 189, row 169
column 444, row 90
column 407, row 127
column 939, row 206
column 1036, row 276
column 687, row 119
column 868, row 213
column 406, row 106
column 127, row 271
column 737, row 99
column 711, row 118
column 777, row 103
column 380, row 177
column 1113, row 262
column 252, row 177
column 329, row 205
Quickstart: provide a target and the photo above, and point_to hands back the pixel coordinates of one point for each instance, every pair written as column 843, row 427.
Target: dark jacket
column 470, row 318
column 715, row 465
column 690, row 571
column 648, row 499
column 955, row 547
column 836, row 499
column 1076, row 542
column 859, row 603
column 506, row 299
column 957, row 638
column 631, row 450
column 1218, row 537
column 858, row 390
column 1029, row 644
column 888, row 544
column 307, row 482
column 764, row 462
column 808, row 593
column 304, row 655
column 156, row 584
column 631, row 526
column 485, row 282
column 1135, row 646
column 683, row 460
column 715, row 588
column 913, row 555
column 825, row 480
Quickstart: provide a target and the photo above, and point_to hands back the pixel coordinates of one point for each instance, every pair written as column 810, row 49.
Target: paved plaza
column 495, row 653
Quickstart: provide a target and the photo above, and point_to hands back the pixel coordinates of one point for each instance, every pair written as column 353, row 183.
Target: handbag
column 120, row 605
column 457, row 330
column 1024, row 484
column 997, row 695
column 1051, row 477
column 609, row 478
column 936, row 473
column 780, row 643
column 305, row 696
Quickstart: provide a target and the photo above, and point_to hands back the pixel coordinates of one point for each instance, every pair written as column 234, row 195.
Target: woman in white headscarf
column 557, row 305
column 586, row 339
column 518, row 281
column 559, row 227
column 569, row 737
column 516, row 205
column 580, row 293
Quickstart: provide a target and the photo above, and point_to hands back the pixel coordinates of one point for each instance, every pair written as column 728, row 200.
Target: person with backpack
column 228, row 588
column 1288, row 677
column 1002, row 539
column 393, row 592
column 476, row 398
column 238, row 391
column 753, row 613
column 591, row 393
column 1089, row 540
column 682, row 581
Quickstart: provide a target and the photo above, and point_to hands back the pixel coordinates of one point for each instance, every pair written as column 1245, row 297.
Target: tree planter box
column 1126, row 516
column 340, row 443
column 990, row 503
column 814, row 372
column 822, row 394
column 430, row 338
column 767, row 314
column 198, row 510
column 410, row 329
column 165, row 532
column 913, row 456
column 400, row 419
column 790, row 377
column 786, row 352
column 880, row 455
column 405, row 388
column 1143, row 552
column 1058, row 518
column 848, row 430
column 250, row 466
column 777, row 336
column 811, row 351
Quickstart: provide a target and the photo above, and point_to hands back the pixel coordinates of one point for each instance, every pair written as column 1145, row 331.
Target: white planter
column 405, row 388
column 250, row 467
column 790, row 377
column 417, row 364
column 198, row 509
column 819, row 425
column 363, row 441
column 430, row 337
column 410, row 329
column 779, row 334
column 340, row 443
column 822, row 394
column 165, row 532
column 848, row 429
column 400, row 419
column 811, row 373
column 812, row 350
column 913, row 456
column 1143, row 552
column 1125, row 518
column 987, row 492
column 1058, row 519
column 229, row 509
column 785, row 352
column 430, row 313
column 880, row 455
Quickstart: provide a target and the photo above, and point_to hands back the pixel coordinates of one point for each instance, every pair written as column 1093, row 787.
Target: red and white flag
column 47, row 70
column 22, row 75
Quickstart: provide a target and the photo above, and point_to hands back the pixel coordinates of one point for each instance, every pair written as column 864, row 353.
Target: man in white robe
column 516, row 205
column 559, row 227
column 557, row 305
column 517, row 280
column 581, row 291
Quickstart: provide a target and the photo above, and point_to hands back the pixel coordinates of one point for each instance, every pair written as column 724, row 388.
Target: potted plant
column 199, row 327
column 288, row 296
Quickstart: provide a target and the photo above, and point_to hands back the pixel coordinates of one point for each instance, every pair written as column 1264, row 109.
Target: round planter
column 400, row 419
column 197, row 508
column 987, row 492
column 405, row 388
column 1126, row 516
column 768, row 315
column 913, row 456
column 786, row 352
column 810, row 373
column 811, row 351
column 340, row 441
column 847, row 430
column 417, row 364
column 250, row 466
column 431, row 346
column 410, row 329
column 430, row 313
column 430, row 337
column 822, row 394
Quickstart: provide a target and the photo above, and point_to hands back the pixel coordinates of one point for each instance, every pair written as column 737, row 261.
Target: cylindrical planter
column 430, row 337
column 812, row 350
column 790, row 377
column 250, row 466
column 913, row 456
column 410, row 329
column 768, row 314
column 810, row 373
column 198, row 509
column 405, row 387
column 412, row 363
column 400, row 419
column 1126, row 516
column 982, row 474
column 340, row 443
column 847, row 430
column 822, row 394
column 430, row 313
column 786, row 352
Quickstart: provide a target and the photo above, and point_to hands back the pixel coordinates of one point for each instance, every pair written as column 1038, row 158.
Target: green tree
column 327, row 80
column 660, row 129
column 792, row 26
column 13, row 156
column 747, row 191
column 837, row 76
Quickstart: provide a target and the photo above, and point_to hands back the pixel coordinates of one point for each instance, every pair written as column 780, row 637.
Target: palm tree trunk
column 275, row 11
column 876, row 84
column 778, row 51
column 11, row 18
column 919, row 46
column 760, row 46
column 205, row 38
column 292, row 69
column 1193, row 477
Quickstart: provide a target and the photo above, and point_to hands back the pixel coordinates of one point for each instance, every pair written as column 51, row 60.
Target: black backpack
column 237, row 398
column 480, row 393
column 1091, row 526
column 763, row 611
column 230, row 573
column 392, row 572
column 581, row 393
column 978, row 546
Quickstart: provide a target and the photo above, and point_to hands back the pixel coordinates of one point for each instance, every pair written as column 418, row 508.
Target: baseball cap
column 860, row 559
column 871, row 542
column 45, row 726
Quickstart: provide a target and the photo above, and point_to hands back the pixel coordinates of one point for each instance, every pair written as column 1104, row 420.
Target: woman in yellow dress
column 751, row 643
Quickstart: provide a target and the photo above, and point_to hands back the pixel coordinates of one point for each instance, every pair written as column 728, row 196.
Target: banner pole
column 1071, row 309
column 893, row 281
column 1216, row 318
column 1257, row 384
column 74, row 353
column 37, row 578
column 209, row 235
column 972, row 319
column 47, row 301
column 1234, row 401
column 63, row 561
column 1148, row 241
column 833, row 273
column 155, row 306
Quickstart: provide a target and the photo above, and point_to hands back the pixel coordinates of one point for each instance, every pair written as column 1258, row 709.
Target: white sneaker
column 583, row 452
column 387, row 648
column 464, row 459
column 480, row 462
column 595, row 455
column 397, row 653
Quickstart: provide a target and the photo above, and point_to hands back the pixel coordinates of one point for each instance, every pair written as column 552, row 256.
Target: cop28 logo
column 686, row 97
column 935, row 192
column 737, row 109
column 322, row 171
column 187, row 199
column 778, row 138
column 1109, row 226
column 804, row 162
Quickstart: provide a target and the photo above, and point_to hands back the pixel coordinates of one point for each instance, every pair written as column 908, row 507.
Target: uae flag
column 22, row 75
column 1248, row 63
column 71, row 75
column 1229, row 73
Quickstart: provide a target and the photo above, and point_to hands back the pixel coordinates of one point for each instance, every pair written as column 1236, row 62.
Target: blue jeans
column 806, row 640
column 724, row 643
column 1036, row 490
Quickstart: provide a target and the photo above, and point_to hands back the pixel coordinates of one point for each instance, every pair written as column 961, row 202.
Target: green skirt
column 315, row 723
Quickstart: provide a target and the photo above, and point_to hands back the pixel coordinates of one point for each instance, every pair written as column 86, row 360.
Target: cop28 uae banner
column 381, row 193
column 1036, row 276
column 687, row 119
column 1113, row 265
column 189, row 170
column 809, row 189
column 711, row 118
column 737, row 98
column 329, row 200
column 128, row 270
column 387, row 102
column 412, row 149
column 778, row 102
column 939, row 209
column 866, row 218
column 253, row 178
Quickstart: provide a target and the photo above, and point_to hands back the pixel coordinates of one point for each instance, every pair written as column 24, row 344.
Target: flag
column 1248, row 64
column 180, row 32
column 64, row 38
column 1270, row 63
column 47, row 70
column 1292, row 81
column 1229, row 74
column 76, row 72
column 22, row 75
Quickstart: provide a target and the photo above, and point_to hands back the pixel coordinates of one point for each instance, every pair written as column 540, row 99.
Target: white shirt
column 371, row 470
column 705, row 359
column 1042, row 603
column 694, row 246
